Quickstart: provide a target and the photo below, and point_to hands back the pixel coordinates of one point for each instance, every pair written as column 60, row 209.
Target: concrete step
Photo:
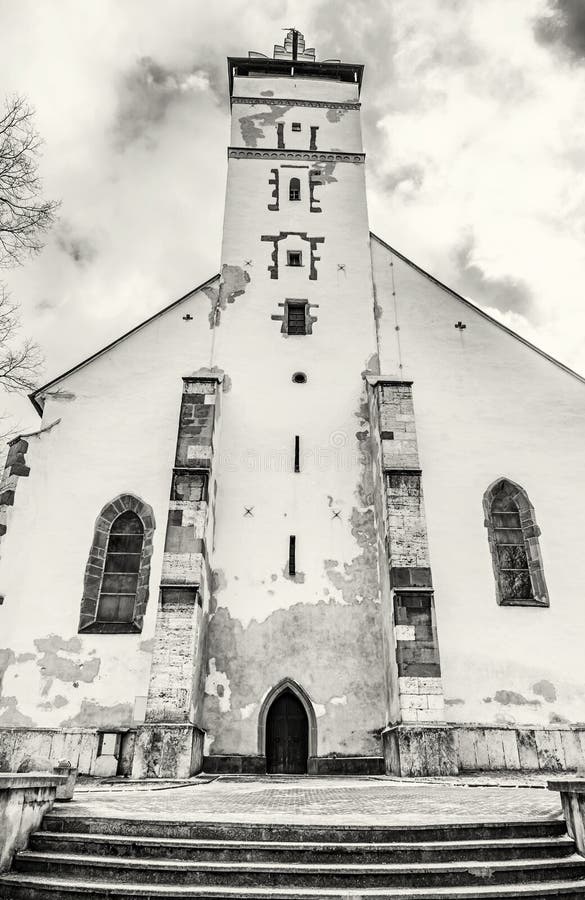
column 247, row 831
column 31, row 887
column 301, row 851
column 329, row 876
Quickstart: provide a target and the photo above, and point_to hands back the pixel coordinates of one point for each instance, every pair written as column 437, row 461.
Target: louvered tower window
column 512, row 560
column 296, row 318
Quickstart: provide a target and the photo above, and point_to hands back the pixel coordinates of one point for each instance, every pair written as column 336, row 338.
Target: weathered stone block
column 164, row 750
column 411, row 750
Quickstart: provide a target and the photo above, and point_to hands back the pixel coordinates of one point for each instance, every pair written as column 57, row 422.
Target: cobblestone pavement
column 313, row 800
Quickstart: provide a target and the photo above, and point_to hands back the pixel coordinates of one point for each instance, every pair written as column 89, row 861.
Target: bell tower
column 294, row 330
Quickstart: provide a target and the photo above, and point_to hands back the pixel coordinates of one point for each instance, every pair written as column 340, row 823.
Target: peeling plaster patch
column 512, row 698
column 205, row 371
column 267, row 93
column 218, row 580
column 320, row 710
column 455, row 701
column 94, row 714
column 232, row 284
column 57, row 703
column 359, row 578
column 61, row 667
column 327, row 169
column 217, row 685
column 11, row 715
column 7, row 657
column 273, row 577
column 546, row 690
column 252, row 126
column 246, row 711
column 53, row 643
column 298, row 578
column 339, row 701
column 23, row 657
column 257, row 656
column 146, row 646
column 336, row 114
column 373, row 365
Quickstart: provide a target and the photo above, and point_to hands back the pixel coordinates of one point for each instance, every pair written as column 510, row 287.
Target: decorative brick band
column 94, row 571
column 317, row 155
column 278, row 101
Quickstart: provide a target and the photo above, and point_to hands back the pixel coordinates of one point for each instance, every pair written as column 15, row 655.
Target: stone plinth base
column 165, row 750
column 234, row 764
column 419, row 750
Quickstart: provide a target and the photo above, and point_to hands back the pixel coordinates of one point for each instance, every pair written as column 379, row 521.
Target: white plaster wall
column 285, row 87
column 488, row 406
column 117, row 434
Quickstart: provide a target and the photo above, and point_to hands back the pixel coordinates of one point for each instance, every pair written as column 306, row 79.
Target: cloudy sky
column 473, row 125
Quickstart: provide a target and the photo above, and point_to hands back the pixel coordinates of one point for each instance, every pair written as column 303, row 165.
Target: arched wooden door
column 287, row 736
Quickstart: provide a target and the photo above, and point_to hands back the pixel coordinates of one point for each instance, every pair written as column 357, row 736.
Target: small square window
column 294, row 258
column 296, row 126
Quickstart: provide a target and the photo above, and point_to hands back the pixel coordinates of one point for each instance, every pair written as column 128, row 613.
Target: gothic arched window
column 294, row 190
column 120, row 579
column 513, row 537
column 117, row 573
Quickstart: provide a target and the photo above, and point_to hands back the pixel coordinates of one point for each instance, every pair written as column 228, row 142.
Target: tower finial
column 294, row 47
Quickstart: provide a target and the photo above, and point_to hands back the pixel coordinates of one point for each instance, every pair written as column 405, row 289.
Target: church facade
column 321, row 514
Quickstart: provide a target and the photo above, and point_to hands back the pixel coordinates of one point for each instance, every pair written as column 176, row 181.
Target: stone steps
column 283, row 874
column 359, row 852
column 17, row 887
column 76, row 857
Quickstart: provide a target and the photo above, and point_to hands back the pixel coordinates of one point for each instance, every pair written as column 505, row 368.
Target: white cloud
column 473, row 128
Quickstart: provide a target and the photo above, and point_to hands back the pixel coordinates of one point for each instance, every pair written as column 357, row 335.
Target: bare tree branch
column 24, row 217
column 20, row 360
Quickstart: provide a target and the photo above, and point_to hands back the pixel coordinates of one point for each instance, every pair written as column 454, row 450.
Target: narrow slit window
column 294, row 191
column 294, row 258
column 296, row 318
column 120, row 579
column 297, row 453
column 292, row 562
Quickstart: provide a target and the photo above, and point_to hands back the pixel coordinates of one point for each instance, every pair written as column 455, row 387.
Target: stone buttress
column 170, row 743
column 417, row 741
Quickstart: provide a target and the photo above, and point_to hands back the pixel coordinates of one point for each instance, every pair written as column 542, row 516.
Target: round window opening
column 299, row 378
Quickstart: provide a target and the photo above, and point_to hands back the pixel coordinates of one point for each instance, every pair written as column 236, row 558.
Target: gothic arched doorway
column 287, row 736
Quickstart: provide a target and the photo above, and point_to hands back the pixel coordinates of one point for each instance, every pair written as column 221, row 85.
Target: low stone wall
column 24, row 800
column 520, row 748
column 81, row 746
column 572, row 791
